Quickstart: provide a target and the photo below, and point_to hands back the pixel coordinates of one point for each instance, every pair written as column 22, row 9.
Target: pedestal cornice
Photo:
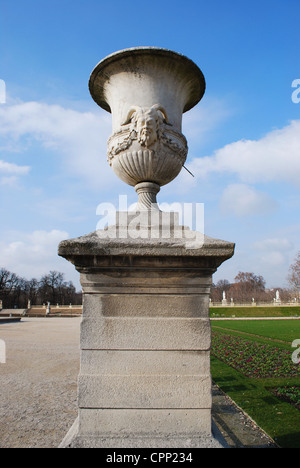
column 93, row 251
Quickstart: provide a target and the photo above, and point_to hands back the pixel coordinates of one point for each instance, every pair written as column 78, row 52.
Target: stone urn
column 144, row 379
column 147, row 90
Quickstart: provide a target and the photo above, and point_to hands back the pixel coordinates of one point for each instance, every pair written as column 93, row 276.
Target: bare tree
column 10, row 288
column 54, row 289
column 50, row 285
column 217, row 290
column 31, row 289
column 294, row 274
column 247, row 286
column 8, row 281
column 16, row 291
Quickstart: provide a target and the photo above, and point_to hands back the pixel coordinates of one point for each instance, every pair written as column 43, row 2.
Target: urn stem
column 147, row 192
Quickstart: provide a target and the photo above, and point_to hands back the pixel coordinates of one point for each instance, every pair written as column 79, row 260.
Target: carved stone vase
column 145, row 338
column 147, row 90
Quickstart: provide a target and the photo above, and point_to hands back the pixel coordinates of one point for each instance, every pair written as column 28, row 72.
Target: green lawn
column 277, row 418
column 282, row 330
column 266, row 341
column 259, row 311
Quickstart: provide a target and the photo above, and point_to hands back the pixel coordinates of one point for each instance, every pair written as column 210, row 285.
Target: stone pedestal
column 145, row 338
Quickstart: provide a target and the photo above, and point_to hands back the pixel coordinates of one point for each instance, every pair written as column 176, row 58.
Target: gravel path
column 38, row 402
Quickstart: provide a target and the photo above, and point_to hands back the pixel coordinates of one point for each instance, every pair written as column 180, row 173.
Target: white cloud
column 274, row 157
column 243, row 200
column 10, row 173
column 274, row 244
column 80, row 137
column 274, row 258
column 35, row 254
column 273, row 252
column 199, row 122
column 11, row 181
column 10, row 168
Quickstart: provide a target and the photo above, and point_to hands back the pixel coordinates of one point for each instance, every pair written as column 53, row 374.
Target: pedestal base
column 74, row 439
column 145, row 336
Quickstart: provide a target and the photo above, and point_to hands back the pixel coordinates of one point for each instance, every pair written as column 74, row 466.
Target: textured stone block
column 142, row 422
column 147, row 276
column 146, row 305
column 144, row 391
column 119, row 362
column 145, row 333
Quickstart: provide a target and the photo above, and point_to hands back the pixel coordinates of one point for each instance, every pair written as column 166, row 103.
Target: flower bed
column 289, row 394
column 253, row 359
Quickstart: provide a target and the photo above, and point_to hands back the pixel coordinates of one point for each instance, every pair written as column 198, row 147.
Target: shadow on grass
column 278, row 419
column 291, row 440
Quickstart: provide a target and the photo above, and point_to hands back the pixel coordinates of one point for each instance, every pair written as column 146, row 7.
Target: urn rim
column 99, row 72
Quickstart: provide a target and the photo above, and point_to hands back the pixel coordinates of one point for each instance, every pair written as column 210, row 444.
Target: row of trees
column 15, row 291
column 248, row 286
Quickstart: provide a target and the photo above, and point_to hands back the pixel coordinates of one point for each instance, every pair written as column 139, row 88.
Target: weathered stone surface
column 144, row 391
column 164, row 429
column 147, row 305
column 138, row 87
column 145, row 333
column 159, row 422
column 99, row 250
column 134, row 63
column 149, row 278
column 120, row 362
column 145, row 340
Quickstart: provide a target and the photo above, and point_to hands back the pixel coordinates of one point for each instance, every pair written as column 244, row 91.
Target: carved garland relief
column 149, row 127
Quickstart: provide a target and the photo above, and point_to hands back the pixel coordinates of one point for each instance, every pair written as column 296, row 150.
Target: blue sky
column 244, row 136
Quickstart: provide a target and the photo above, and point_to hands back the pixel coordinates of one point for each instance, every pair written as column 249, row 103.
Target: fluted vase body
column 147, row 90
